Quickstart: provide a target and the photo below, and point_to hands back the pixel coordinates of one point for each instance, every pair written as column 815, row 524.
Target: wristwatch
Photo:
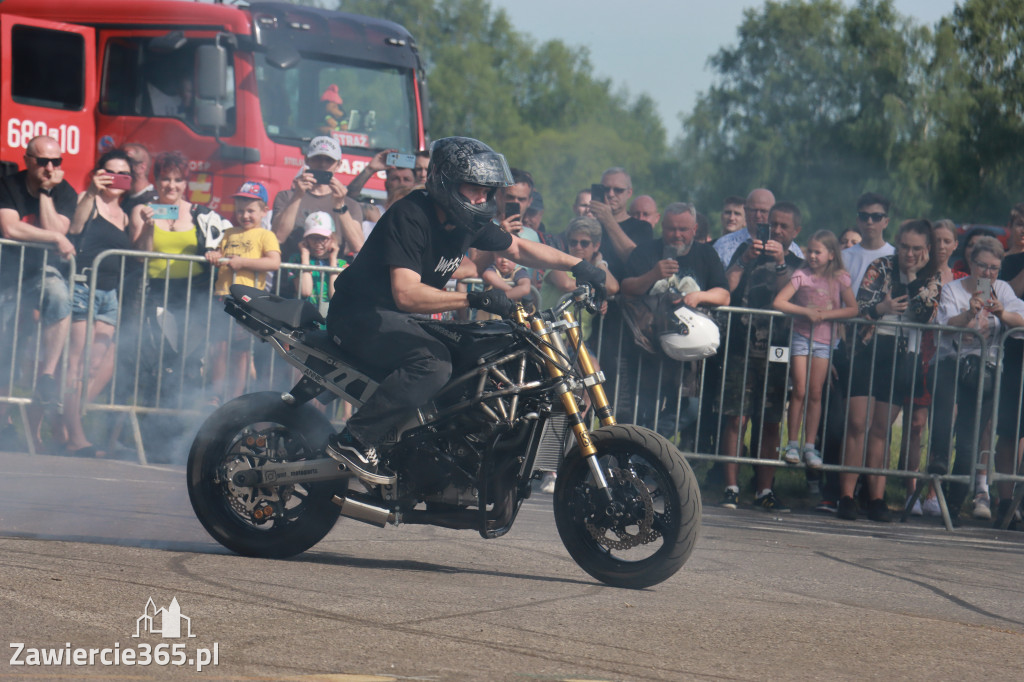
column 47, row 192
column 342, row 210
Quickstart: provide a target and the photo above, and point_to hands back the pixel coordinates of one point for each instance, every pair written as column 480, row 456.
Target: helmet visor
column 489, row 169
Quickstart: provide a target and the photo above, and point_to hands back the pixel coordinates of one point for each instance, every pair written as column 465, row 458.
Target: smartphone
column 512, row 208
column 898, row 290
column 764, row 232
column 322, row 177
column 400, row 160
column 597, row 193
column 164, row 211
column 120, row 181
column 985, row 288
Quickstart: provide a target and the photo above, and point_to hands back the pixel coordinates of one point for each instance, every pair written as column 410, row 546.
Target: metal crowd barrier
column 164, row 330
column 21, row 330
column 685, row 401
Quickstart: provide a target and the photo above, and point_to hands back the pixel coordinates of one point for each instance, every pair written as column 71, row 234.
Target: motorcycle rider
column 402, row 269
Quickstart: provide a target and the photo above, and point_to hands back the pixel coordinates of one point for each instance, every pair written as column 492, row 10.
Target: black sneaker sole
column 356, row 467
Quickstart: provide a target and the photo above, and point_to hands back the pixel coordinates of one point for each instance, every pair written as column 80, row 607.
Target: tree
column 817, row 102
column 540, row 105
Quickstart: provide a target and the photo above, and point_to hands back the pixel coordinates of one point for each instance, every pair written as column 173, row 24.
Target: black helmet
column 455, row 160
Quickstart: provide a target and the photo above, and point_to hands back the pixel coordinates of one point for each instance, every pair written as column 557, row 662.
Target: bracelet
column 342, row 210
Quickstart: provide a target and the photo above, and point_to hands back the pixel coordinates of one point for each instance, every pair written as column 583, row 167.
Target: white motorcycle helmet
column 693, row 336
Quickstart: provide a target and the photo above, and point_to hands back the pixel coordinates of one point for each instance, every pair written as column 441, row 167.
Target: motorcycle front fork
column 592, row 380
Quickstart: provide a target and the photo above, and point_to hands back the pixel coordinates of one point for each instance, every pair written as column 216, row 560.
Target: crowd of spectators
column 847, row 296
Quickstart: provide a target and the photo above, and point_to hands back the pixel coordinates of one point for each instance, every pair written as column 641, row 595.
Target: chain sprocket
column 645, row 532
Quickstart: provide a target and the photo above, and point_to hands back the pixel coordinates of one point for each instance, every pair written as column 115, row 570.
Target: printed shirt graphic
column 254, row 243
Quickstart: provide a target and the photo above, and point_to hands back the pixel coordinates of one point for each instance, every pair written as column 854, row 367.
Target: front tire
column 649, row 530
column 241, row 434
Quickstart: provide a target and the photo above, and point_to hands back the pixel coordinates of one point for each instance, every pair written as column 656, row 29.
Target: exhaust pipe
column 360, row 511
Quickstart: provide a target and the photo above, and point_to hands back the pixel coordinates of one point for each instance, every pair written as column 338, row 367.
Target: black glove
column 493, row 301
column 585, row 273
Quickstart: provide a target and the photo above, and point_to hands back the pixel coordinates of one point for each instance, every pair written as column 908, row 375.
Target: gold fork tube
column 572, row 410
column 598, row 398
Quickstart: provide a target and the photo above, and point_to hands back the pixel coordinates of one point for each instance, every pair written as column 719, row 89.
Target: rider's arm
column 413, row 296
column 537, row 255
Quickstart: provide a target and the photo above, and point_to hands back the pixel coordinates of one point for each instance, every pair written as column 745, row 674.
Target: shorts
column 104, row 305
column 753, row 384
column 801, row 345
column 894, row 377
column 229, row 331
column 55, row 303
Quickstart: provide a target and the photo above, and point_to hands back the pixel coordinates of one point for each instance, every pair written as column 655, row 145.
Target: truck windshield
column 364, row 107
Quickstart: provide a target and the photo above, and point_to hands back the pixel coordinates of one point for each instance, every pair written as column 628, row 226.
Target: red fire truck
column 238, row 90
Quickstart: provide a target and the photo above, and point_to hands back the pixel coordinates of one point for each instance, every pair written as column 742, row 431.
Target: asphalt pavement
column 85, row 545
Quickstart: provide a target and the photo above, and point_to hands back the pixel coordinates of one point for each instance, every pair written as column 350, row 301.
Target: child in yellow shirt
column 252, row 252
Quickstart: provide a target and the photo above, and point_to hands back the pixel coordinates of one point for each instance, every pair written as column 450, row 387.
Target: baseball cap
column 253, row 190
column 322, row 145
column 318, row 222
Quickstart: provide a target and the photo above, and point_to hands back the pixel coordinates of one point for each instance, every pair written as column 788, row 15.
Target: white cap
column 319, row 223
column 323, row 145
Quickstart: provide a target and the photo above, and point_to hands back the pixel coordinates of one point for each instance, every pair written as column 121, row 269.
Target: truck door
column 47, row 87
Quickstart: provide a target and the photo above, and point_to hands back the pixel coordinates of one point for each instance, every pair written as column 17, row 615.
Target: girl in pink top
column 817, row 294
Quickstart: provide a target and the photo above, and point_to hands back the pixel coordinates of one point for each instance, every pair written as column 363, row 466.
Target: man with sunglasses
column 36, row 205
column 872, row 219
column 622, row 233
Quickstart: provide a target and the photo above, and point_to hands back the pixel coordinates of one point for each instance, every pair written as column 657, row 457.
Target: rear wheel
column 648, row 530
column 263, row 521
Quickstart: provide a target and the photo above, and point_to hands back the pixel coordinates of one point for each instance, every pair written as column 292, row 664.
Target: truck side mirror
column 211, row 72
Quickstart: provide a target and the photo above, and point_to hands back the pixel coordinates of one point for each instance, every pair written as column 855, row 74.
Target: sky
column 665, row 57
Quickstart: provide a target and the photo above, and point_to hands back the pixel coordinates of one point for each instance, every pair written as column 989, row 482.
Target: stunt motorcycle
column 626, row 502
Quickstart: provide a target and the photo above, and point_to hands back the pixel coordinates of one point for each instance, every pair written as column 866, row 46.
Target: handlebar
column 583, row 294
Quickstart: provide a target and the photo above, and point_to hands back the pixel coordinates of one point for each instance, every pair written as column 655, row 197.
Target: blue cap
column 253, row 190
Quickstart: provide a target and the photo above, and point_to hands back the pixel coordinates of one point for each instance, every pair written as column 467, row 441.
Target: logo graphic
column 164, row 622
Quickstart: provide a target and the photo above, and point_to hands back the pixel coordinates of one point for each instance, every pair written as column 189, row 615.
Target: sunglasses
column 579, row 242
column 616, row 190
column 44, row 161
column 866, row 217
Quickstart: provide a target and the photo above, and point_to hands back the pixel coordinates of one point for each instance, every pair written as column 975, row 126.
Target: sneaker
column 930, row 507
column 547, row 483
column 847, row 509
column 791, row 455
column 362, row 460
column 828, row 506
column 982, row 507
column 770, row 503
column 731, row 499
column 916, row 509
column 879, row 511
column 812, row 458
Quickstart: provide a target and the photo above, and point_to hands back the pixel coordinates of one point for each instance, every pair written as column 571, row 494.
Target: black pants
column 416, row 365
column 944, row 427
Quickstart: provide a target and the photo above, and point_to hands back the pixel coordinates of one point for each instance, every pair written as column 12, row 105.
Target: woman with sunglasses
column 99, row 224
column 984, row 305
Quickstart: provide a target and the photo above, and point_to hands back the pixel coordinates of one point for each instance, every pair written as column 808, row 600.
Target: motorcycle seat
column 294, row 313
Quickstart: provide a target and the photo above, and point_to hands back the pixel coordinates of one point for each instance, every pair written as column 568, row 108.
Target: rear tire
column 655, row 491
column 228, row 442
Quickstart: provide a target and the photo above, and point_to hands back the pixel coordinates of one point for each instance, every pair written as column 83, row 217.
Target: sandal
column 89, row 451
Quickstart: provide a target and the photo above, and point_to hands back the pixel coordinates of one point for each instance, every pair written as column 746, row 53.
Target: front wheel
column 648, row 530
column 272, row 521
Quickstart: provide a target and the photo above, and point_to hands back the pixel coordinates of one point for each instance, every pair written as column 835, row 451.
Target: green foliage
column 539, row 105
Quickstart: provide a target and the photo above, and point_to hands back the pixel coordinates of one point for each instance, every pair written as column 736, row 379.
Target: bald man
column 645, row 208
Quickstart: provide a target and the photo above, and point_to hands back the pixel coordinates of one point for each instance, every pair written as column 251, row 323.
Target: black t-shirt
column 701, row 263
column 14, row 195
column 408, row 235
column 1012, row 266
column 640, row 231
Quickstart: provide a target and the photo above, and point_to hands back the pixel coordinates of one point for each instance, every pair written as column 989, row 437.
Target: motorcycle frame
column 332, row 374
